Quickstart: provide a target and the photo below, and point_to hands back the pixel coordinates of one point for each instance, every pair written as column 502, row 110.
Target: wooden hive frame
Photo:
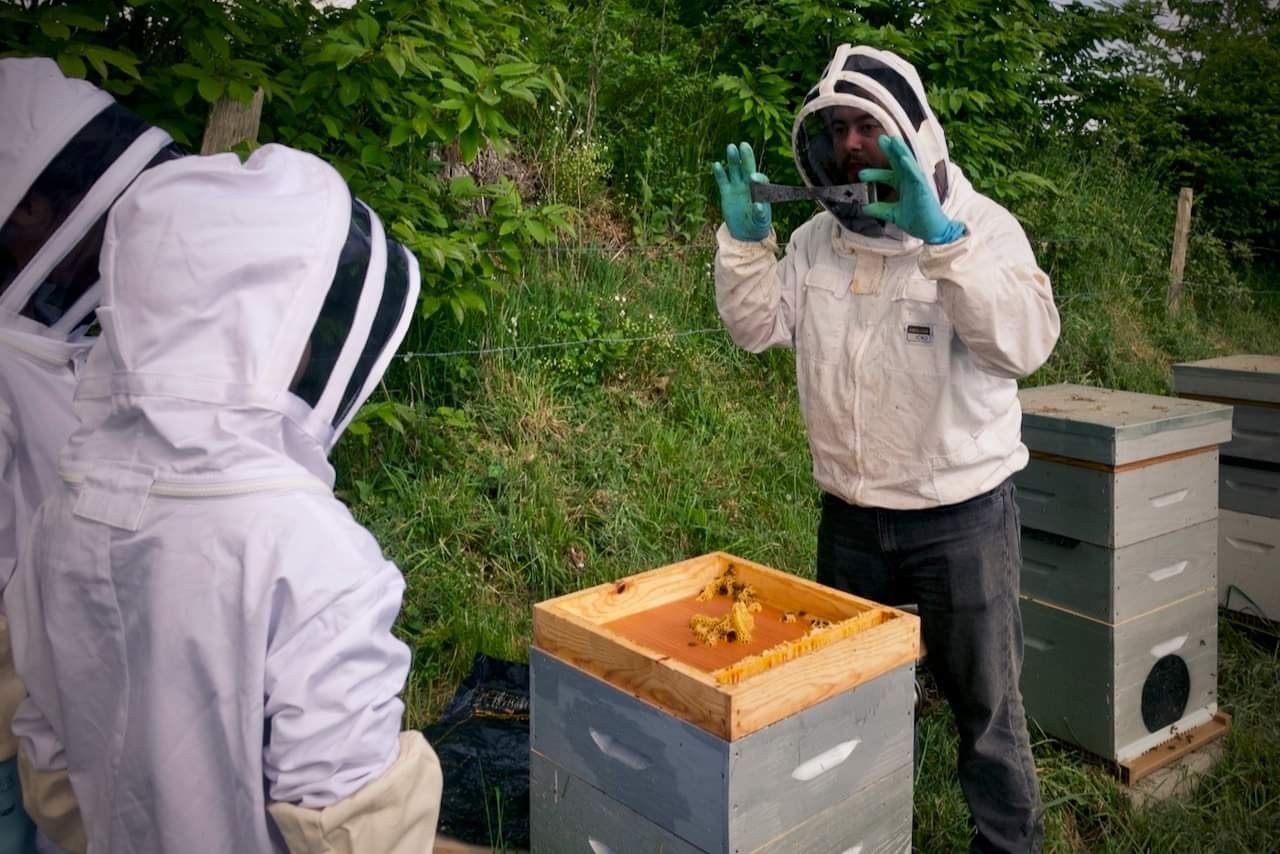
column 865, row 641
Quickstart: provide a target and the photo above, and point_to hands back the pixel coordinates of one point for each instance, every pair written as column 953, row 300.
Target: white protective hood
column 886, row 86
column 204, row 331
column 67, row 151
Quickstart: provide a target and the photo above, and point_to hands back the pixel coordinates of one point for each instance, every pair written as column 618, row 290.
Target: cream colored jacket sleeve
column 994, row 292
column 755, row 294
column 395, row 813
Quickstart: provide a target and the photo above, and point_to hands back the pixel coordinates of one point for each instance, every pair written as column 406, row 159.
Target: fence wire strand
column 1153, row 293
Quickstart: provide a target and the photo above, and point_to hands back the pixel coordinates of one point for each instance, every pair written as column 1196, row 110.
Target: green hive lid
column 1117, row 427
column 1242, row 377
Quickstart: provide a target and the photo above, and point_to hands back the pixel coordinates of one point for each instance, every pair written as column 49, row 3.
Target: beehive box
column 1118, row 690
column 1115, row 585
column 665, row 741
column 1243, row 377
column 1115, row 468
column 1251, row 384
column 1249, row 564
column 576, row 816
column 1249, row 489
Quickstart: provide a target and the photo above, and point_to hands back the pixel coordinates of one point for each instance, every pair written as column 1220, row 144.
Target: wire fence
column 559, row 345
column 1156, row 292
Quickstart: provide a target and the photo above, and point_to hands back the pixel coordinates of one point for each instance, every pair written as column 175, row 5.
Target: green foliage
column 983, row 65
column 577, row 169
column 1200, row 101
column 399, row 95
column 606, row 331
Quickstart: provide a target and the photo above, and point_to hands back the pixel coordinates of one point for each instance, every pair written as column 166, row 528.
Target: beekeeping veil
column 889, row 89
column 67, row 151
column 243, row 303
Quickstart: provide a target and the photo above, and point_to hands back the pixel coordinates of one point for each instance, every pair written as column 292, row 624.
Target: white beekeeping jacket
column 205, row 630
column 907, row 355
column 67, row 151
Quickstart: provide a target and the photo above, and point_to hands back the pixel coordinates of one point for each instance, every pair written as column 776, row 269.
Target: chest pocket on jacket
column 914, row 353
column 917, row 330
column 824, row 325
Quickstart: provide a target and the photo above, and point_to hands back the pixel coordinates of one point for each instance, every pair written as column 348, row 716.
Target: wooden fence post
column 231, row 123
column 1178, row 262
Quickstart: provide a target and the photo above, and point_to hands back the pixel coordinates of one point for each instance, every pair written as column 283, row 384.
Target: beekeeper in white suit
column 67, row 151
column 912, row 319
column 206, row 631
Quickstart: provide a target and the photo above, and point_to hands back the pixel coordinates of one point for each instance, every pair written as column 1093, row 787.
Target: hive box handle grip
column 617, row 751
column 824, row 761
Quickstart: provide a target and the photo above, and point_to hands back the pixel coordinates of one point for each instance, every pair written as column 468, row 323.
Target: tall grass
column 527, row 474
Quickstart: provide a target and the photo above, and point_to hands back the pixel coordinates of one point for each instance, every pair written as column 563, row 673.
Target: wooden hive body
column 1249, row 564
column 1119, row 509
column 1249, row 490
column 638, row 745
column 1119, row 689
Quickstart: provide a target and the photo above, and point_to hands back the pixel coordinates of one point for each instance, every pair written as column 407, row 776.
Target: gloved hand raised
column 747, row 220
column 917, row 211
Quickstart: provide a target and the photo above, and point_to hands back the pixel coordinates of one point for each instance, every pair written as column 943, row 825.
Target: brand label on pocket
column 920, row 333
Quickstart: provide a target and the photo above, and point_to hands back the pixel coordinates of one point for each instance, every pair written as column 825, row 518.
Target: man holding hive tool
column 912, row 317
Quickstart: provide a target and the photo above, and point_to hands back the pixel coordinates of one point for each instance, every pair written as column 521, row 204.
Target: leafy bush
column 399, row 95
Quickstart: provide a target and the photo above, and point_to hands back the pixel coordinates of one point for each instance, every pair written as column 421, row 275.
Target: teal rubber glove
column 747, row 220
column 917, row 211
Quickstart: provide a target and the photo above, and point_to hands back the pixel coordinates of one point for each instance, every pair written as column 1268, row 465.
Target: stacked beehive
column 1249, row 477
column 1119, row 608
column 645, row 740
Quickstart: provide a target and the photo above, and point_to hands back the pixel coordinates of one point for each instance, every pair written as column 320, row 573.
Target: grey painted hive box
column 622, row 769
column 642, row 733
column 1116, row 428
column 1115, row 468
column 1249, row 564
column 1249, row 489
column 1118, row 690
column 1245, row 377
column 569, row 814
column 1115, row 585
column 1252, row 385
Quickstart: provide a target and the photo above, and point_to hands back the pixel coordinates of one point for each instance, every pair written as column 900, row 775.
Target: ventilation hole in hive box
column 816, row 638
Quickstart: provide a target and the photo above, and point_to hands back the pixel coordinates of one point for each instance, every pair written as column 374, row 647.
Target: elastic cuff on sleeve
column 746, row 248
column 395, row 813
column 936, row 258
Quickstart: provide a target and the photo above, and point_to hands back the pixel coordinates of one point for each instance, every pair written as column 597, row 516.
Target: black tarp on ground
column 482, row 740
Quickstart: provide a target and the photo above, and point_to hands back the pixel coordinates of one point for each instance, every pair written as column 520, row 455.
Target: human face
column 855, row 137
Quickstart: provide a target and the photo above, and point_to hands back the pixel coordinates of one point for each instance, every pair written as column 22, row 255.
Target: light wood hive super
column 633, row 633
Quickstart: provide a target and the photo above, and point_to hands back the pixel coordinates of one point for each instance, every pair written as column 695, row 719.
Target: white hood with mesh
column 67, row 152
column 889, row 89
column 248, row 311
column 202, row 628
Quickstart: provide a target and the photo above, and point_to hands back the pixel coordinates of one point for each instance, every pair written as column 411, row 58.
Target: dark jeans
column 960, row 564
